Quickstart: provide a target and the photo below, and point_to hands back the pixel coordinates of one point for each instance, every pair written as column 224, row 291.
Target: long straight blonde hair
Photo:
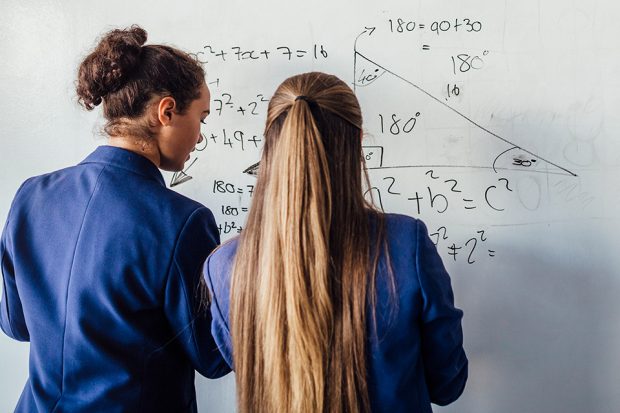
column 304, row 272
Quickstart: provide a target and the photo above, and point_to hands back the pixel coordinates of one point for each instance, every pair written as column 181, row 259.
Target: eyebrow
column 208, row 112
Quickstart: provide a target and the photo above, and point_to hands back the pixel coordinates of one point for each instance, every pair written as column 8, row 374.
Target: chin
column 172, row 168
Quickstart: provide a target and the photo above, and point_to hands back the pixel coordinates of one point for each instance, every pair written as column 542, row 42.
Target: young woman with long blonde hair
column 324, row 304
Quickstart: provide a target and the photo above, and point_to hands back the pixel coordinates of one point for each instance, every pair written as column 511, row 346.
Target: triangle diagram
column 451, row 138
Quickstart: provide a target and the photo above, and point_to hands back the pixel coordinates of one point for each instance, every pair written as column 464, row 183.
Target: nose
column 201, row 137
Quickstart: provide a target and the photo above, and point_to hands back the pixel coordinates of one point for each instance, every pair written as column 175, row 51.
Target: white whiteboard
column 493, row 121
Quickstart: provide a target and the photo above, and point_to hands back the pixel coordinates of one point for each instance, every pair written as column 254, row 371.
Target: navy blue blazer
column 415, row 355
column 101, row 266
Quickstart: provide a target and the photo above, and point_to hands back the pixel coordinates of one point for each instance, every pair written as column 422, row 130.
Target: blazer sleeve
column 12, row 319
column 445, row 363
column 186, row 306
column 219, row 294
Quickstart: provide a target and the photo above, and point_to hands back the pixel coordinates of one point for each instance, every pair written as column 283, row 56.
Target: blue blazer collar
column 123, row 158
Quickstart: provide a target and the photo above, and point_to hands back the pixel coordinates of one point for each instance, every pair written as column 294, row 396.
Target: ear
column 165, row 110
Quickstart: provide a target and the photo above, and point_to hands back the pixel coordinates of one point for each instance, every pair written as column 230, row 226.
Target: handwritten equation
column 210, row 53
column 460, row 210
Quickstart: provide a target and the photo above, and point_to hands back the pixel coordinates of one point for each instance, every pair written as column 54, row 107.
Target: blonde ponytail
column 299, row 286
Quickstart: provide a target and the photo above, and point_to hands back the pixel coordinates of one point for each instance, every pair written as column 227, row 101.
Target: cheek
column 196, row 132
column 192, row 138
column 190, row 135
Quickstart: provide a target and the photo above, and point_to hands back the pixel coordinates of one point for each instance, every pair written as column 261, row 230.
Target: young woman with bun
column 101, row 262
column 325, row 304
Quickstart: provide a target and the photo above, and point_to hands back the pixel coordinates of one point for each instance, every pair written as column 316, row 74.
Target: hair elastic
column 302, row 97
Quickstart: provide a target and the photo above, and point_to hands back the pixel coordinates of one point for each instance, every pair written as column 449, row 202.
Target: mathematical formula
column 461, row 212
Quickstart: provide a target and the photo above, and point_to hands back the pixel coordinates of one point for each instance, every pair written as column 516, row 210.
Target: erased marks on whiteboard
column 585, row 123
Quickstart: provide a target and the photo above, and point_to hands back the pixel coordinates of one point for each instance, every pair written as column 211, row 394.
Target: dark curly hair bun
column 109, row 66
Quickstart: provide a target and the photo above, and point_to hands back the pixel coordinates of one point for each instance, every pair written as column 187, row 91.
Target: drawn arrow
column 181, row 177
